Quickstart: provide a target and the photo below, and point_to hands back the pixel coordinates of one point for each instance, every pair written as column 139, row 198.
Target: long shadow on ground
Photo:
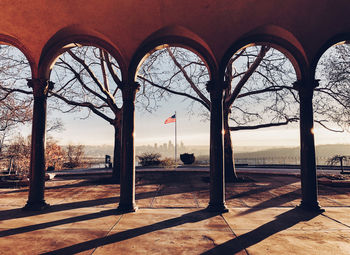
column 282, row 222
column 173, row 179
column 131, row 233
column 91, row 216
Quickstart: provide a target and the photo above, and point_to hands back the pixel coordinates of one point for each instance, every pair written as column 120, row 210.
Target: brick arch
column 173, row 36
column 343, row 37
column 70, row 37
column 278, row 38
column 12, row 41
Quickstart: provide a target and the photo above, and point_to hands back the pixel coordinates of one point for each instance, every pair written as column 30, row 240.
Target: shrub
column 149, row 159
column 19, row 152
column 167, row 162
column 75, row 155
column 54, row 155
column 18, row 155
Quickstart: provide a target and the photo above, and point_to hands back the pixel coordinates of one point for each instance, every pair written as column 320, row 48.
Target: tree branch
column 263, row 125
column 82, row 83
column 229, row 101
column 97, row 82
column 115, row 77
column 88, row 105
column 330, row 129
column 174, row 92
column 188, row 79
column 268, row 89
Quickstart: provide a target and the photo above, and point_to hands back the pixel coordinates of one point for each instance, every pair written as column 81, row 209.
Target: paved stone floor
column 171, row 218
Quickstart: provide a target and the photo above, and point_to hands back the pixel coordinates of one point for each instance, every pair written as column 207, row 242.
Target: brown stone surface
column 172, row 219
column 167, row 242
column 47, row 240
column 216, row 25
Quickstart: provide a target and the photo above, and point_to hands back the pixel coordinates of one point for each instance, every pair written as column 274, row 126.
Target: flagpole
column 175, row 138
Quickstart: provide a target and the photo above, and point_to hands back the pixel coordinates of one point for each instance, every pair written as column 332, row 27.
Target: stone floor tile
column 49, row 240
column 175, row 200
column 145, row 195
column 326, row 201
column 164, row 242
column 339, row 214
column 171, row 219
column 93, row 217
column 235, row 203
column 296, row 242
column 277, row 219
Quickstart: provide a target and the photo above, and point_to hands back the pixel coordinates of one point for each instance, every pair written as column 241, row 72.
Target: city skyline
column 150, row 129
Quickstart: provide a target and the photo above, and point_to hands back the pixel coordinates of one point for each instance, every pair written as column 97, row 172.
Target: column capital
column 135, row 86
column 40, row 86
column 129, row 90
column 210, row 86
column 213, row 86
column 131, row 86
column 306, row 84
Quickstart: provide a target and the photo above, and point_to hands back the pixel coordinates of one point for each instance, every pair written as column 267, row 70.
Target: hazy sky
column 150, row 129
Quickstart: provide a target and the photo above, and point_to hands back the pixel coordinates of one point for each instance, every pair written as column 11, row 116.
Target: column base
column 311, row 207
column 36, row 206
column 126, row 208
column 220, row 208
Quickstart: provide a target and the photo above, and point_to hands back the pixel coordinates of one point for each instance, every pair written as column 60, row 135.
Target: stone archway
column 178, row 36
column 211, row 27
column 285, row 42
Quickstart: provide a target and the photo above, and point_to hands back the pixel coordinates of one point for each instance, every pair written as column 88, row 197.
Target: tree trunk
column 230, row 170
column 117, row 152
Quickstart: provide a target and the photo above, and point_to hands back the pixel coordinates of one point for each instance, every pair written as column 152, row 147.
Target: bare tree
column 259, row 93
column 88, row 78
column 338, row 158
column 13, row 112
column 332, row 96
column 18, row 152
column 15, row 98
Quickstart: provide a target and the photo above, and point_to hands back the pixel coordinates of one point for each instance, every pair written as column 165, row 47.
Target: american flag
column 170, row 119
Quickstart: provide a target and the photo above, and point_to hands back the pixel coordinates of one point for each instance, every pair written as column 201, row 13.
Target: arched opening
column 331, row 96
column 261, row 115
column 87, row 93
column 15, row 112
column 172, row 118
column 331, row 108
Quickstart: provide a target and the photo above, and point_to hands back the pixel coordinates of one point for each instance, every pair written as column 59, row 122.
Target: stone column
column 127, row 174
column 36, row 199
column 217, row 176
column 307, row 146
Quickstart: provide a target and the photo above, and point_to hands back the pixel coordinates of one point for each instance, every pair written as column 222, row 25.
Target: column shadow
column 18, row 213
column 85, row 217
column 273, row 202
column 191, row 217
column 281, row 222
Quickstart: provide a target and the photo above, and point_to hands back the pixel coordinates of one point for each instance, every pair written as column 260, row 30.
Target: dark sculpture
column 187, row 158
